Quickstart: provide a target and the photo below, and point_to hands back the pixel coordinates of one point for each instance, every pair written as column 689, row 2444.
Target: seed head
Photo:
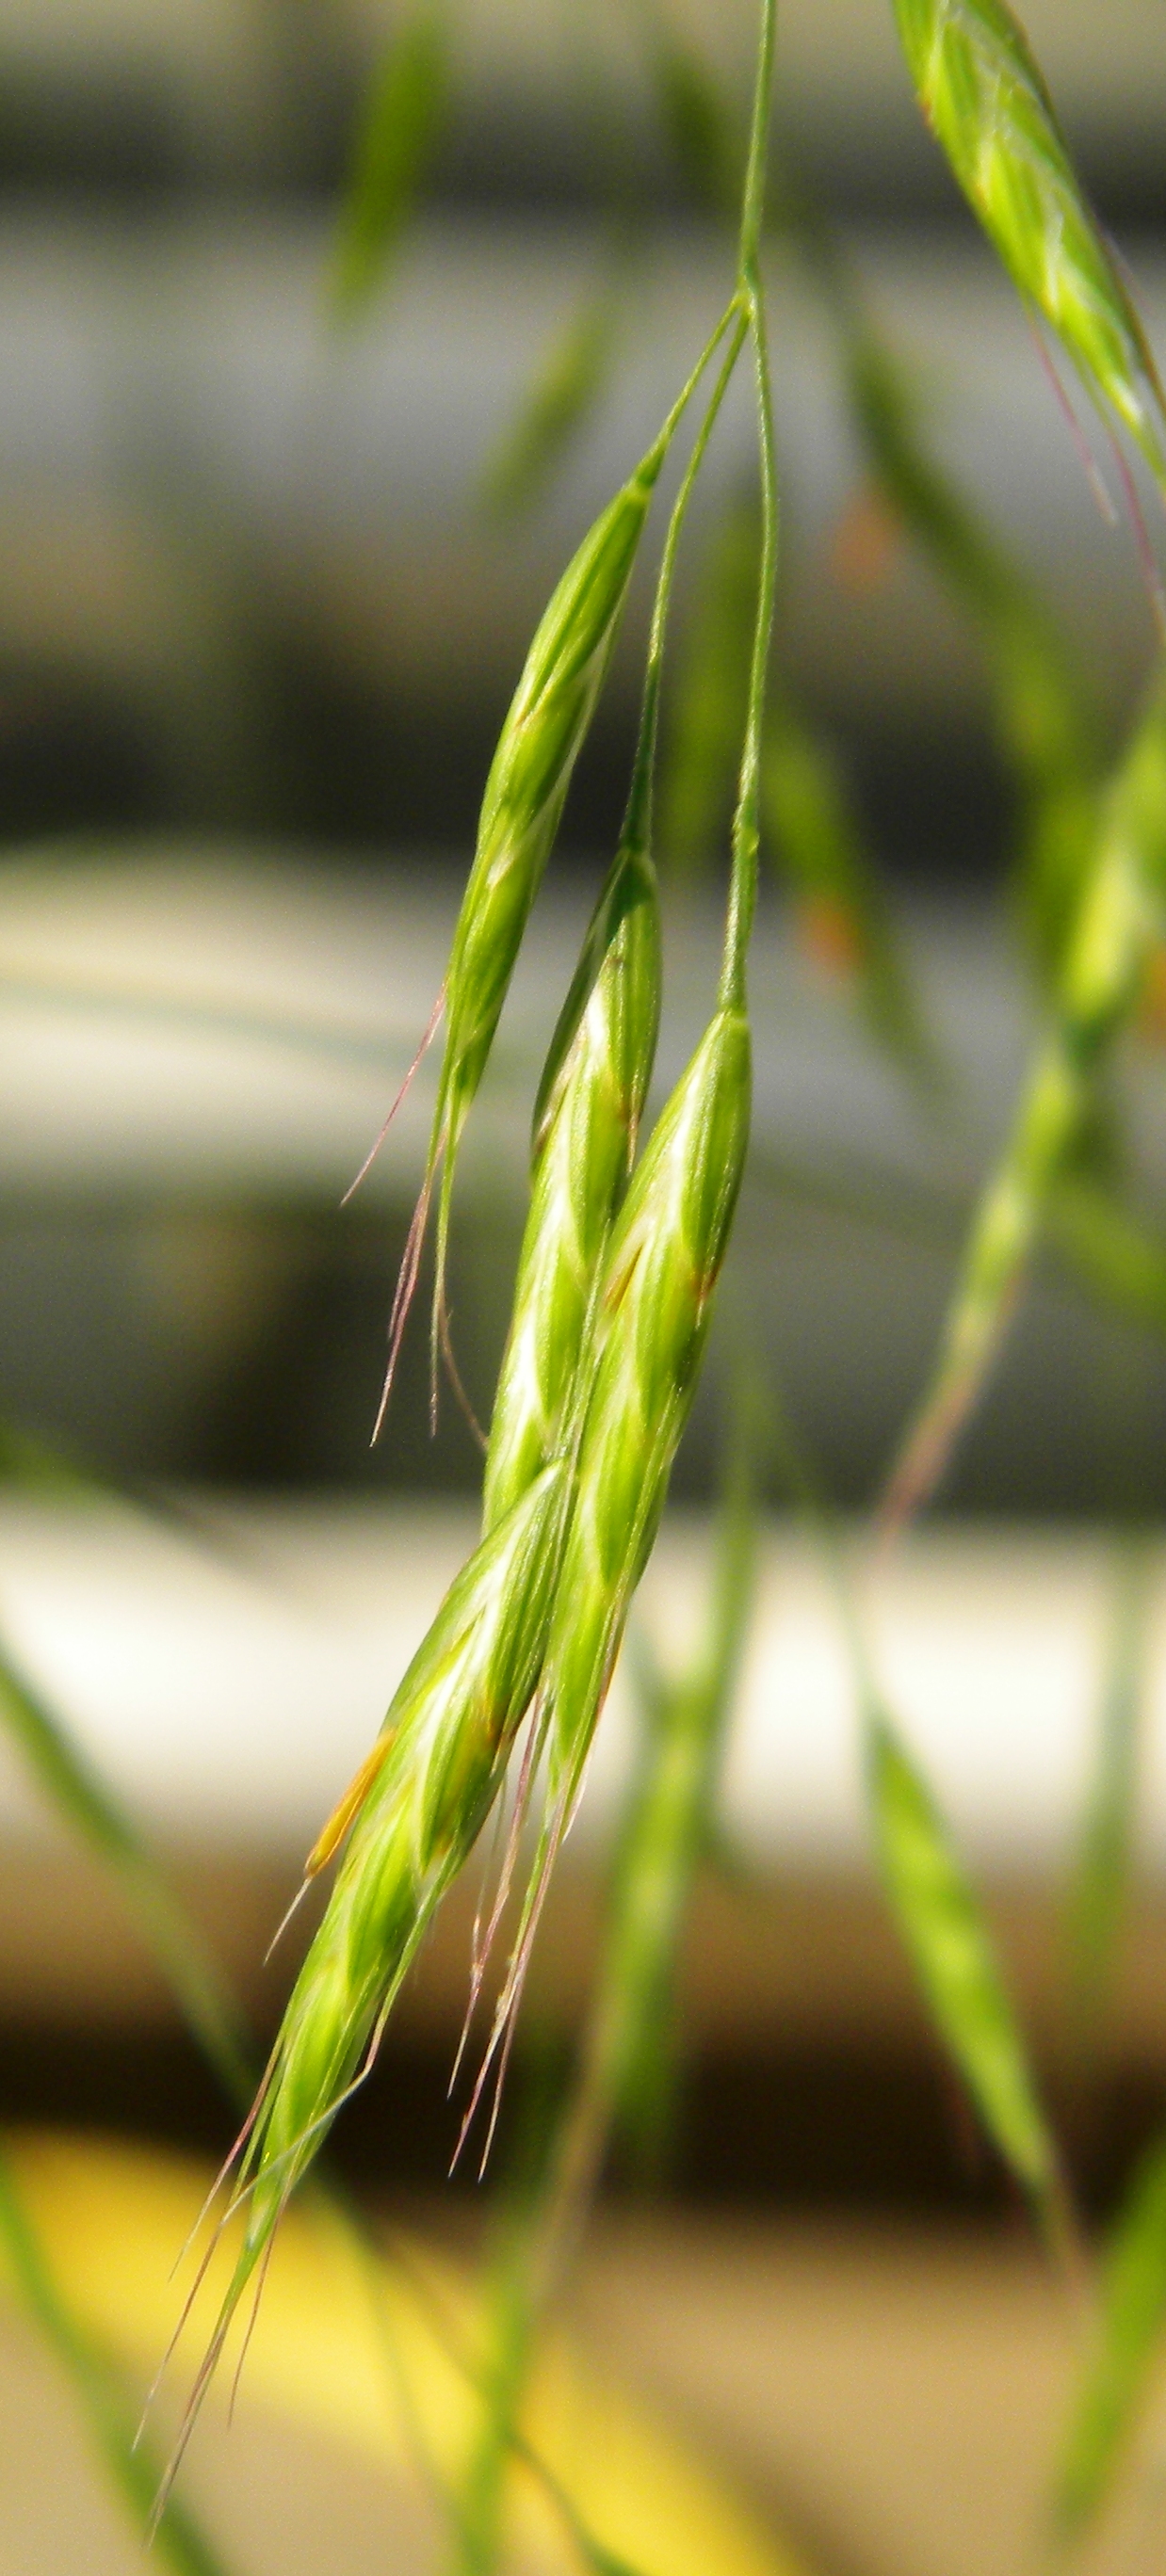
column 983, row 93
column 586, row 1124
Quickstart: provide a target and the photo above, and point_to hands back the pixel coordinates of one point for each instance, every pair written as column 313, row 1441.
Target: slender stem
column 746, row 817
column 637, row 820
column 661, row 444
column 753, row 199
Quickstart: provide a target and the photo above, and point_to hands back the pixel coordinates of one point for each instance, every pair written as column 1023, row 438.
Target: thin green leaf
column 134, row 2471
column 1115, row 2379
column 402, row 119
column 944, row 1930
column 1099, row 1883
column 563, row 398
column 79, row 1795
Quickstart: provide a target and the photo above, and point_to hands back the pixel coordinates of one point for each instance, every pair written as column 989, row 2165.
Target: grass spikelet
column 1118, row 919
column 948, row 1941
column 984, row 97
column 531, row 771
column 1115, row 2379
column 447, row 1737
column 586, row 1125
column 652, row 1323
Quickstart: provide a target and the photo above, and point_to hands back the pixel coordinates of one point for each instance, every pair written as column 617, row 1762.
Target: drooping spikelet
column 424, row 1795
column 982, row 92
column 529, row 776
column 586, row 1124
column 416, row 1806
column 652, row 1322
column 1120, row 915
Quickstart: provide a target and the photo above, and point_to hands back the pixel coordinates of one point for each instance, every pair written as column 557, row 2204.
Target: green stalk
column 638, row 819
column 134, row 2471
column 746, row 835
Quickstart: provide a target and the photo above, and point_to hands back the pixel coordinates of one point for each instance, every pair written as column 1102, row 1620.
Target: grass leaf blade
column 178, row 2537
column 943, row 1928
column 1113, row 2383
column 80, row 1797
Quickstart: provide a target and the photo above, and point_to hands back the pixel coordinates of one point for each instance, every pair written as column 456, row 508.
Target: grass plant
column 629, row 1223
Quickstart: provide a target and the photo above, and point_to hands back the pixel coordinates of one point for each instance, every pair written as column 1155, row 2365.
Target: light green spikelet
column 651, row 1326
column 984, row 96
column 529, row 776
column 586, row 1125
column 1119, row 916
column 646, row 1345
column 443, row 1753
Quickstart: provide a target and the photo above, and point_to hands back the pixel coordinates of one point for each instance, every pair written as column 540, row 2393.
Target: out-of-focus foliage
column 944, row 1930
column 400, row 125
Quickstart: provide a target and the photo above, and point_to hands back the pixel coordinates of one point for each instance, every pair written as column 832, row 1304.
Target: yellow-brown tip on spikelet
column 347, row 1809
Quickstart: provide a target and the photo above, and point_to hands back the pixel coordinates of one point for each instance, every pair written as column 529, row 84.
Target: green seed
column 984, row 95
column 586, row 1125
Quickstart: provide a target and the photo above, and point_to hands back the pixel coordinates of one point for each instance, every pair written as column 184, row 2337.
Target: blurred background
column 260, row 619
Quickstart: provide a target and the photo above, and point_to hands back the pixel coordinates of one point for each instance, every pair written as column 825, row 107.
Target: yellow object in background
column 377, row 2355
